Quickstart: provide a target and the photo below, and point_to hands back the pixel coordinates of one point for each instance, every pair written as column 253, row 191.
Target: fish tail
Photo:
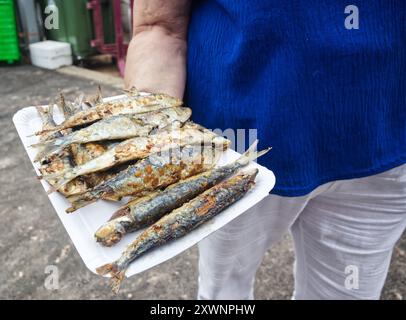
column 251, row 154
column 80, row 200
column 98, row 98
column 46, row 115
column 41, row 132
column 116, row 281
column 40, row 144
column 50, row 114
column 60, row 102
column 131, row 92
column 63, row 106
column 109, row 268
column 42, row 113
column 117, row 276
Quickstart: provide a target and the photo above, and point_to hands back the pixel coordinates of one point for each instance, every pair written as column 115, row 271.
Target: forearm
column 156, row 58
column 156, row 63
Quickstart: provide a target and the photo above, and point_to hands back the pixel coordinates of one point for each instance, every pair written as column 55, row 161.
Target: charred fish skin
column 113, row 128
column 118, row 127
column 146, row 211
column 156, row 171
column 137, row 104
column 162, row 118
column 67, row 159
column 58, row 162
column 181, row 221
column 82, row 153
column 141, row 147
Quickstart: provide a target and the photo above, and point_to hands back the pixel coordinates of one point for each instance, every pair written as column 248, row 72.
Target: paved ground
column 31, row 236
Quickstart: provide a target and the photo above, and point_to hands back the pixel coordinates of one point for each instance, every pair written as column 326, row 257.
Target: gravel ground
column 32, row 237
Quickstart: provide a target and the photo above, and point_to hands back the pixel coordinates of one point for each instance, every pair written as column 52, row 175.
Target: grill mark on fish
column 76, row 154
column 176, row 163
column 117, row 127
column 141, row 147
column 60, row 162
column 130, row 105
column 143, row 212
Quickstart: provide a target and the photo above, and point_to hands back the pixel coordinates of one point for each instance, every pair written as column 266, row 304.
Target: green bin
column 9, row 50
column 76, row 25
column 108, row 21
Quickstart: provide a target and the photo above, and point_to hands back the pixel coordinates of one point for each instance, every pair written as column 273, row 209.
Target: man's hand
column 156, row 57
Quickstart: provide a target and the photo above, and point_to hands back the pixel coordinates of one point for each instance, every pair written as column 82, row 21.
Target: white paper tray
column 82, row 224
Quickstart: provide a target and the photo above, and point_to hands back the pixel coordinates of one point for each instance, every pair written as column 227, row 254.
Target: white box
column 82, row 224
column 51, row 54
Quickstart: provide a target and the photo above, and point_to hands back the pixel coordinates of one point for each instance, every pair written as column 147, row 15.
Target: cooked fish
column 77, row 154
column 59, row 162
column 142, row 212
column 141, row 147
column 47, row 117
column 181, row 221
column 79, row 104
column 118, row 127
column 156, row 171
column 82, row 153
column 130, row 105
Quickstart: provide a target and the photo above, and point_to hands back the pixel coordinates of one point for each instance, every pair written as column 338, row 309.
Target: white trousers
column 344, row 233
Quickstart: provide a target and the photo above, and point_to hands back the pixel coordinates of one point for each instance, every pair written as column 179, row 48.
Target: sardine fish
column 180, row 222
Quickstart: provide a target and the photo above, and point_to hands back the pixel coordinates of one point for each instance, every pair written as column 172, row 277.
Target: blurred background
column 73, row 46
column 96, row 33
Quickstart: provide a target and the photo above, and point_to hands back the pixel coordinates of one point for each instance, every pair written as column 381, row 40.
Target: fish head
column 248, row 176
column 111, row 232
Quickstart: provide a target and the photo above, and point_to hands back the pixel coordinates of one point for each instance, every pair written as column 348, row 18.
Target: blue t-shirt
column 331, row 101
